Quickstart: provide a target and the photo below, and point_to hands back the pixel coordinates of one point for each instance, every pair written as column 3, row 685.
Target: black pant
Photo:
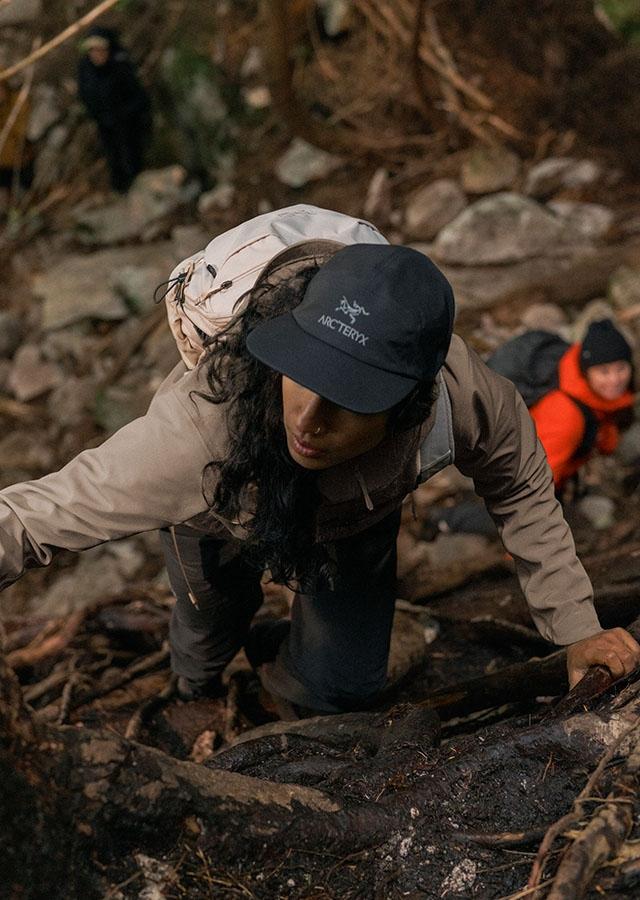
column 124, row 145
column 335, row 654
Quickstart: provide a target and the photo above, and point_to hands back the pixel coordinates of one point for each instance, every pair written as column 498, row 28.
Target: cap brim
column 283, row 345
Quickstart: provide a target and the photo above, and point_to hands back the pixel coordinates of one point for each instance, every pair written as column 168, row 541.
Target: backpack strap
column 590, row 433
column 438, row 448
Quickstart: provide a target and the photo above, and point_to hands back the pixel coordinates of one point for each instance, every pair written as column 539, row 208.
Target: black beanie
column 603, row 343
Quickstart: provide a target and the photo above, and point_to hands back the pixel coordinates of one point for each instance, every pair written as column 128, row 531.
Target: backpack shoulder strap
column 438, row 448
column 591, row 425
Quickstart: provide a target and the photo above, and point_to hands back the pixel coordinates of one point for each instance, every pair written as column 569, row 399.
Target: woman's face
column 609, row 380
column 321, row 434
column 99, row 56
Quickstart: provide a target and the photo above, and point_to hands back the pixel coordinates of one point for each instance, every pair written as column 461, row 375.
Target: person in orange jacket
column 581, row 415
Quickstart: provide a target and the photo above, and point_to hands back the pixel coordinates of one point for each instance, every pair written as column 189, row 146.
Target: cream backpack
column 203, row 290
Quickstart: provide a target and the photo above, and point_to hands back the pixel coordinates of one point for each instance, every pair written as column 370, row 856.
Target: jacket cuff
column 575, row 623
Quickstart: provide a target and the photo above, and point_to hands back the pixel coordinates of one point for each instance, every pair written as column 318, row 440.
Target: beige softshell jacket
column 149, row 475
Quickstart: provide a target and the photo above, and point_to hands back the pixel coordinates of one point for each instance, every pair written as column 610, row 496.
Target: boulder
column 100, row 572
column 218, row 198
column 554, row 174
column 11, row 333
column 575, row 278
column 137, row 284
column 45, row 111
column 189, row 239
column 545, row 317
column 377, row 203
column 487, row 169
column 503, row 228
column 119, row 404
column 624, row 287
column 591, row 220
column 628, row 451
column 24, row 454
column 302, row 163
column 598, row 510
column 433, row 207
column 71, row 401
column 594, row 311
column 143, row 214
column 30, row 375
column 19, row 12
column 257, row 97
column 337, row 16
column 81, row 286
column 252, row 64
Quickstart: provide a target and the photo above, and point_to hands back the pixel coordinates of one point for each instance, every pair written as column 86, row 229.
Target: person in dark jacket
column 109, row 87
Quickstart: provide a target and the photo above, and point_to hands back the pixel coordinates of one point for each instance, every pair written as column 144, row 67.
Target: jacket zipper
column 192, row 597
column 368, row 502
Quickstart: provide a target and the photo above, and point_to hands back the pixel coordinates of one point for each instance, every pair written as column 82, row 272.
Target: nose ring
column 317, row 431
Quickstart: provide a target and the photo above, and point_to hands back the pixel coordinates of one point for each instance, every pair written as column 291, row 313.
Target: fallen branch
column 59, row 39
column 578, row 809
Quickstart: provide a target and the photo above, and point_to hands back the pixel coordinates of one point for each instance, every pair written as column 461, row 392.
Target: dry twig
column 59, row 39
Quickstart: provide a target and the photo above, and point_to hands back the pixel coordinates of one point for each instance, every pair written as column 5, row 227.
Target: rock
column 628, row 450
column 555, row 173
column 11, row 333
column 118, row 405
column 45, row 111
column 252, row 63
column 5, row 370
column 30, row 377
column 302, row 163
column 100, row 572
column 49, row 159
column 25, row 450
column 592, row 312
column 624, row 287
column 220, row 197
column 337, row 16
column 20, row 11
column 188, row 239
column 545, row 317
column 70, row 402
column 591, row 220
column 257, row 97
column 460, row 880
column 502, row 228
column 71, row 346
column 143, row 213
column 488, row 169
column 161, row 351
column 556, row 279
column 599, row 510
column 433, row 207
column 378, row 199
column 81, row 286
column 408, row 646
column 137, row 284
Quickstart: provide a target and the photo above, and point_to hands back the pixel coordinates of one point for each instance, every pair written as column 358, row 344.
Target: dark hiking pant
column 333, row 656
column 124, row 146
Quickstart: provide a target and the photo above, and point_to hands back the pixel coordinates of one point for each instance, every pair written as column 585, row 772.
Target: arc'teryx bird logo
column 351, row 310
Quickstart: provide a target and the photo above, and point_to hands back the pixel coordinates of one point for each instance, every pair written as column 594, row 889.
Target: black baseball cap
column 375, row 321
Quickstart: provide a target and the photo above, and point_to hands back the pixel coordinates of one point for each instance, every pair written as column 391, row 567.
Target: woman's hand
column 615, row 649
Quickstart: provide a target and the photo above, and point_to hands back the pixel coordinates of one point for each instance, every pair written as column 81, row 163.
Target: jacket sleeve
column 147, row 475
column 497, row 446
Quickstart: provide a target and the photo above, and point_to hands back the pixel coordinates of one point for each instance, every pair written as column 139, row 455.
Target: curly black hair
column 257, row 472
